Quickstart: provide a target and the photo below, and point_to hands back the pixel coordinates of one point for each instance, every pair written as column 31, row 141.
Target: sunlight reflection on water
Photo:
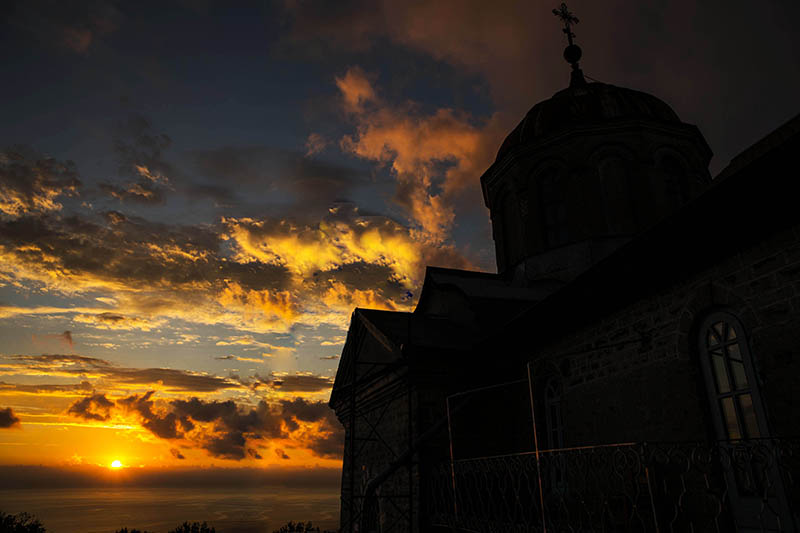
column 251, row 510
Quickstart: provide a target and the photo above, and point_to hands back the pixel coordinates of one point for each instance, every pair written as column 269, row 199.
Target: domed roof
column 584, row 105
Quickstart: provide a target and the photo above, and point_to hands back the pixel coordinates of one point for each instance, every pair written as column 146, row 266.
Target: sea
column 159, row 510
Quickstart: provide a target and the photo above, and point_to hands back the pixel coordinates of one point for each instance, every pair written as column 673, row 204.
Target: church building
column 630, row 366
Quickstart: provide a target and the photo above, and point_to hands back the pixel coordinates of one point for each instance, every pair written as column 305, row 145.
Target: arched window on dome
column 730, row 379
column 553, row 201
column 511, row 228
column 615, row 188
column 676, row 177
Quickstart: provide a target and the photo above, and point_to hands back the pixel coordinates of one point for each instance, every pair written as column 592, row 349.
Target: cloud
column 291, row 383
column 176, row 453
column 64, row 338
column 65, row 26
column 108, row 320
column 223, row 429
column 167, row 379
column 50, row 389
column 94, row 407
column 281, row 454
column 315, row 144
column 34, row 183
column 233, row 174
column 356, row 89
column 139, row 150
column 261, row 275
column 329, row 357
column 433, row 156
column 8, row 419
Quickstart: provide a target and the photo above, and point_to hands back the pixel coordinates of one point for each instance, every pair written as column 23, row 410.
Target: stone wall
column 635, row 374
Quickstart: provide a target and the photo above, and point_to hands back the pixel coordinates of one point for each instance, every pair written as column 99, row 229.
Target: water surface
column 229, row 510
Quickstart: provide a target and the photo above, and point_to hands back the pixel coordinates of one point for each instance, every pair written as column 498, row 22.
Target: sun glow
column 116, row 463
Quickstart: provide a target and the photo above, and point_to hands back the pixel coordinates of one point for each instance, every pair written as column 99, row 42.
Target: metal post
column 452, row 460
column 643, row 451
column 536, row 448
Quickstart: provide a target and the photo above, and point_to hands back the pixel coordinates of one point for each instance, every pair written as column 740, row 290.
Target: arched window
column 553, row 199
column 730, row 379
column 677, row 180
column 552, row 404
column 616, row 194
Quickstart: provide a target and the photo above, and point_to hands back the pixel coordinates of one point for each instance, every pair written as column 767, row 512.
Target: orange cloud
column 416, row 146
column 32, row 183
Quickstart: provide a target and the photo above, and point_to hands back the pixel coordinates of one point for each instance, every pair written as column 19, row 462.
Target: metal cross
column 568, row 19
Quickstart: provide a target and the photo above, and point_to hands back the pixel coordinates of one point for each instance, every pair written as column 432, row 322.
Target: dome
column 585, row 105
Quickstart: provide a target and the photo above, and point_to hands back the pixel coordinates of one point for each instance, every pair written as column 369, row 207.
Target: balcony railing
column 746, row 485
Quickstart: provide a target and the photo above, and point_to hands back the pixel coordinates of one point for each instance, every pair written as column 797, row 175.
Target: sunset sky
column 194, row 197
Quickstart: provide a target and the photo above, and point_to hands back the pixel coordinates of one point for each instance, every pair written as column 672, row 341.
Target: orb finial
column 572, row 53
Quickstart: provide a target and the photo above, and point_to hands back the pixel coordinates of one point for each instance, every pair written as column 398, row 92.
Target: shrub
column 297, row 527
column 20, row 523
column 195, row 527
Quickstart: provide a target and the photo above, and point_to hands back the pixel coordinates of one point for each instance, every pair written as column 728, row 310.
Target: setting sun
column 116, row 463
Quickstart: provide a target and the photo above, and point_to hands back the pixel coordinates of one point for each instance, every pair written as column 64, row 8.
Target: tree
column 297, row 527
column 195, row 527
column 20, row 523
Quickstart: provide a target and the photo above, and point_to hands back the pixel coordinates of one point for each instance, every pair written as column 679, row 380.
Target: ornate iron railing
column 746, row 485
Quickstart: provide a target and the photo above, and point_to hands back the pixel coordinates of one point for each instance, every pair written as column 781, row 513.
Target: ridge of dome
column 592, row 103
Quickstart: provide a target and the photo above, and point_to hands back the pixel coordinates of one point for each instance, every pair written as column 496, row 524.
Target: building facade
column 630, row 367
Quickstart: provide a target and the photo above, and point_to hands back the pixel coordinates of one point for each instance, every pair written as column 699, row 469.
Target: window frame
column 711, row 381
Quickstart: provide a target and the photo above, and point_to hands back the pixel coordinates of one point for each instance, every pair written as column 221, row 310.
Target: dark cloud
column 133, row 251
column 138, row 145
column 281, row 454
column 298, row 382
column 34, row 183
column 164, row 426
column 66, row 26
column 142, row 192
column 8, row 419
column 290, row 176
column 94, row 407
column 77, row 365
column 64, row 338
column 724, row 66
column 329, row 357
column 176, row 453
column 252, row 452
column 222, row 428
column 83, row 387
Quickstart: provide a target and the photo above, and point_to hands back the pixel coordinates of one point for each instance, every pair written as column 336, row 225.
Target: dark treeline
column 26, row 523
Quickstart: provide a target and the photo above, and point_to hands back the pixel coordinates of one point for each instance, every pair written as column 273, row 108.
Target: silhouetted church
column 645, row 319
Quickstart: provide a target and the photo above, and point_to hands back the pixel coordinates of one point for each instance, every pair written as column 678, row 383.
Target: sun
column 116, row 463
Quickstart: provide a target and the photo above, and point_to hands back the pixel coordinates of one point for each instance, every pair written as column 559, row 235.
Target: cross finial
column 568, row 18
column 572, row 53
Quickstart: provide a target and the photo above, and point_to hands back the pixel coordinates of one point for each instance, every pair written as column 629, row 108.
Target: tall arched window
column 553, row 423
column 553, row 199
column 730, row 379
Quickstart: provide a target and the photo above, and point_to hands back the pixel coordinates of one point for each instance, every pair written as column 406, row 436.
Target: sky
column 195, row 195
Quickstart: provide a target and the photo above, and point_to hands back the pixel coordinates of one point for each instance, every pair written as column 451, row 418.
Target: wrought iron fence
column 746, row 485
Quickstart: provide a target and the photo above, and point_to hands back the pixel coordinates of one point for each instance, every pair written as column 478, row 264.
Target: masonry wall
column 635, row 375
column 377, row 433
